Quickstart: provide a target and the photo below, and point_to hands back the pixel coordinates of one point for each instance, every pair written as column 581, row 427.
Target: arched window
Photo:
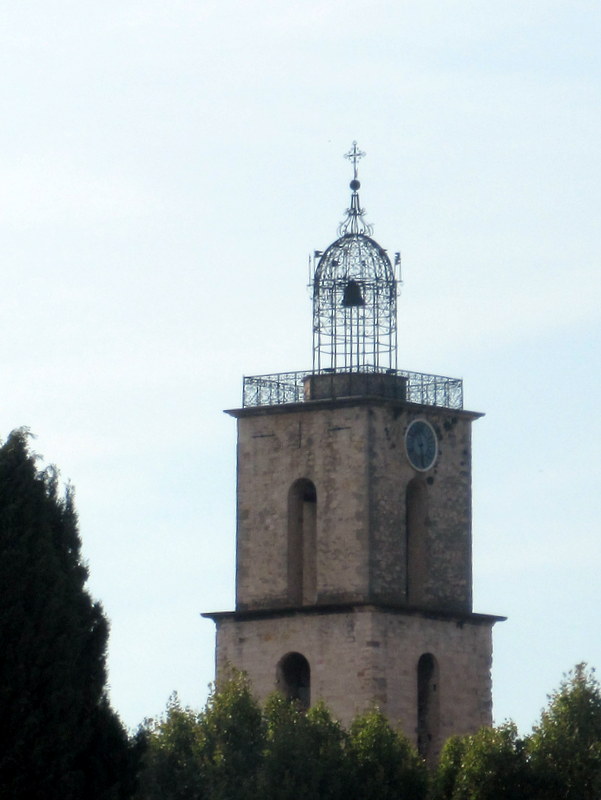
column 428, row 715
column 293, row 679
column 302, row 523
column 416, row 505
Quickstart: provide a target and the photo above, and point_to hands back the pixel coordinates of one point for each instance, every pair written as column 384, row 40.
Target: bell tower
column 353, row 561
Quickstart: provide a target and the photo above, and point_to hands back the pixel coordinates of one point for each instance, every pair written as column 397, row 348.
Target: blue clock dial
column 421, row 445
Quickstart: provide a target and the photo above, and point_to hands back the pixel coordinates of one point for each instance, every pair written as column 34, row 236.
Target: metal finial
column 355, row 156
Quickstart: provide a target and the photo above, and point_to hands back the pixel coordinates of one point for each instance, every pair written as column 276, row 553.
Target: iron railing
column 287, row 387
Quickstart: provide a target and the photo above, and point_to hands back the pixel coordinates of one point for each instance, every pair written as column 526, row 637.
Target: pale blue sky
column 165, row 170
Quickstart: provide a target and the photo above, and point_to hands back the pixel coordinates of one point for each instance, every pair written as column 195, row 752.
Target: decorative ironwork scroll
column 288, row 387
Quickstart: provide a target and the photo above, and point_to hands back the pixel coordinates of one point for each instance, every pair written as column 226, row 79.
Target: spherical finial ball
column 355, row 185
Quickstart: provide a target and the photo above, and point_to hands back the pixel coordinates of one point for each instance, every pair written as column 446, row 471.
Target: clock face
column 421, row 445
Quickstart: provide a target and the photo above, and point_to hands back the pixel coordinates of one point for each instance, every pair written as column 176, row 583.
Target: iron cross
column 354, row 155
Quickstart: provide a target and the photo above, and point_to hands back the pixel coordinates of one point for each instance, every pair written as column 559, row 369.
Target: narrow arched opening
column 428, row 715
column 302, row 544
column 293, row 679
column 416, row 506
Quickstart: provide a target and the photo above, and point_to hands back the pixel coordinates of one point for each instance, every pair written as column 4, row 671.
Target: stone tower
column 353, row 570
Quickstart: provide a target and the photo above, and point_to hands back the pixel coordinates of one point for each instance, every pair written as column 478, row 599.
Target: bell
column 352, row 295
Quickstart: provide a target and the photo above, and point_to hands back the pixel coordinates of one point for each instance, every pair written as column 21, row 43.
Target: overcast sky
column 165, row 170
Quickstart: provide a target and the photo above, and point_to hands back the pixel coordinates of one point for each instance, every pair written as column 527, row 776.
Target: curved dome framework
column 354, row 307
column 354, row 298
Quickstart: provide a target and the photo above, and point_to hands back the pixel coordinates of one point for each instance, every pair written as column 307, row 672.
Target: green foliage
column 233, row 751
column 172, row 761
column 449, row 767
column 59, row 737
column 560, row 760
column 232, row 738
column 489, row 765
column 565, row 747
column 214, row 754
column 328, row 754
column 384, row 765
column 304, row 757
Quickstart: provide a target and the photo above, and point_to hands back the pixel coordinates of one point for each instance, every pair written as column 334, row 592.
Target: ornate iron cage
column 354, row 328
column 354, row 307
column 354, row 296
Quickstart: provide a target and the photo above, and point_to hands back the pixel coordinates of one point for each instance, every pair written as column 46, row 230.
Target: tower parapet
column 301, row 386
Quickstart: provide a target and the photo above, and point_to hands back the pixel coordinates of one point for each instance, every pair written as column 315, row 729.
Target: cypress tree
column 58, row 734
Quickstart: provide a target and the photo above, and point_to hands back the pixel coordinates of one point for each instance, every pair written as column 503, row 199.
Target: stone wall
column 380, row 600
column 329, row 448
column 447, row 575
column 360, row 656
column 354, row 454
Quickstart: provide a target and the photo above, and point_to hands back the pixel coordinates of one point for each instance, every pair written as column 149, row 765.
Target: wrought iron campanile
column 354, row 297
column 354, row 292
